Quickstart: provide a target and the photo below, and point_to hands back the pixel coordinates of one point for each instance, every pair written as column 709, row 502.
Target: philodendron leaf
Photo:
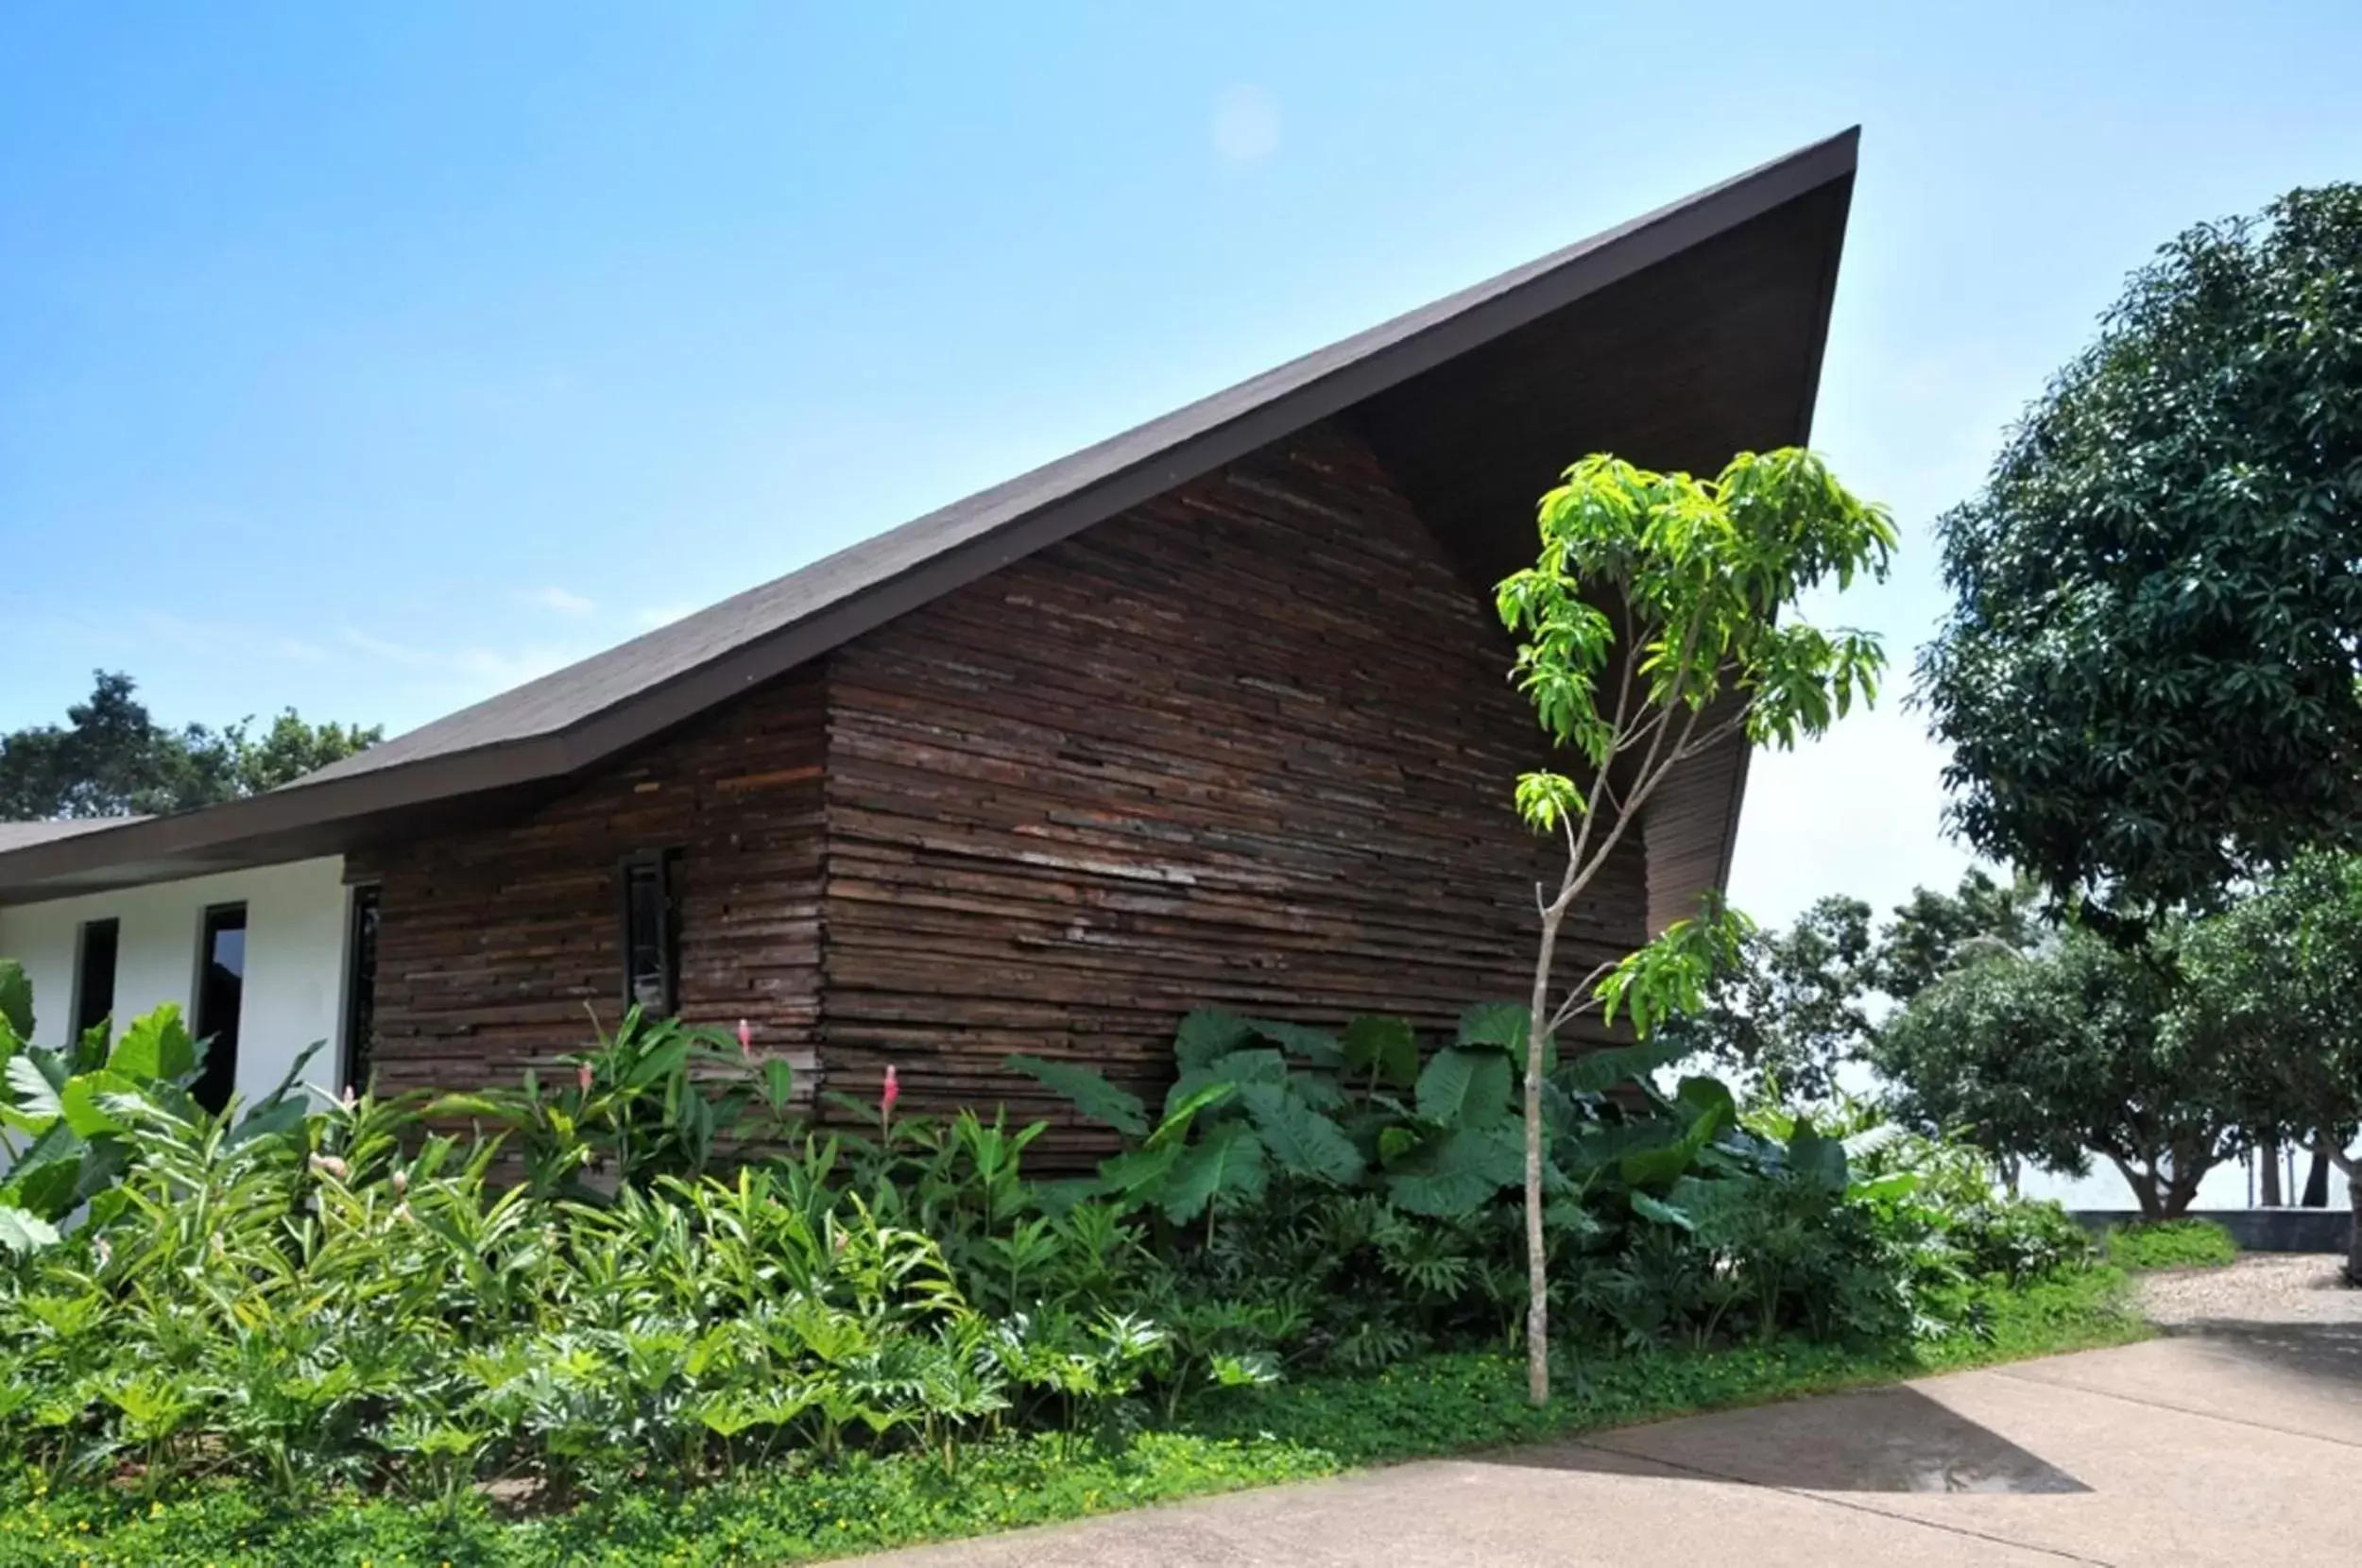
column 1240, row 1067
column 1313, row 1047
column 22, row 1232
column 1501, row 1025
column 1384, row 1047
column 1305, row 1142
column 1089, row 1093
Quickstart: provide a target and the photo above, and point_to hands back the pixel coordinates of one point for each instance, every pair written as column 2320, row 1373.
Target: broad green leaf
column 84, row 1101
column 1313, row 1047
column 47, row 1186
column 155, row 1045
column 1226, row 1164
column 1598, row 1071
column 22, row 1232
column 1661, row 1211
column 1206, row 1033
column 1501, row 1025
column 1462, row 1086
column 1175, row 1129
column 1089, row 1093
column 1818, row 1161
column 1384, row 1047
column 1241, row 1067
column 1394, row 1142
column 16, row 1000
column 36, row 1093
column 1459, row 1173
column 1303, row 1141
column 660, row 1063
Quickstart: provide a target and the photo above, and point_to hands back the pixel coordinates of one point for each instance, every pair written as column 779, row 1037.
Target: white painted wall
column 295, row 960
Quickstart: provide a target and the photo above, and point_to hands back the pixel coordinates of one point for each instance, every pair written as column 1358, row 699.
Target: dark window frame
column 78, row 1018
column 356, row 1026
column 660, row 865
column 217, row 1084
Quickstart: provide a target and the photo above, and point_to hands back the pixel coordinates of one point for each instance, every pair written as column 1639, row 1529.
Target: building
column 1214, row 711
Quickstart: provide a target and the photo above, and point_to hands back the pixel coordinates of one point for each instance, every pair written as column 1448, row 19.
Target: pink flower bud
column 582, row 1077
column 745, row 1040
column 328, row 1164
column 350, row 1097
column 401, row 1182
column 892, row 1093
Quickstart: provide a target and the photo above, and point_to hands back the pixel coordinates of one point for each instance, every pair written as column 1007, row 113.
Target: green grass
column 797, row 1514
column 2170, row 1244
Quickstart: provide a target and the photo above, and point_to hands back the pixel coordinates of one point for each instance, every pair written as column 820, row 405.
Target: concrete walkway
column 2232, row 1442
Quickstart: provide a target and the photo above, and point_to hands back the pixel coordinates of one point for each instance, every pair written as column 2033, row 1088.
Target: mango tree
column 1657, row 622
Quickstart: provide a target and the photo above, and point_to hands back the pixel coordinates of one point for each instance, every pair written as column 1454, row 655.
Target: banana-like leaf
column 1088, row 1093
column 1303, row 1141
column 1383, row 1047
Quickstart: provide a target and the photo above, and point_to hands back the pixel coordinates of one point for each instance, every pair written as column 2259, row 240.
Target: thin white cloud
column 1245, row 124
column 564, row 601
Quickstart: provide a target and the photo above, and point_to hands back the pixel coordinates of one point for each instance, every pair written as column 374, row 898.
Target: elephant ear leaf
column 1464, row 1089
column 1088, row 1093
column 1208, row 1035
column 1501, row 1025
column 1459, row 1173
column 16, row 1003
column 156, row 1046
column 22, row 1232
column 1597, row 1071
column 36, row 1085
column 1313, row 1047
column 1228, row 1162
column 1385, row 1048
column 1305, row 1142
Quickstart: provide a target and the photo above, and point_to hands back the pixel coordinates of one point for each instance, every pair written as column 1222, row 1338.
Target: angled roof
column 551, row 727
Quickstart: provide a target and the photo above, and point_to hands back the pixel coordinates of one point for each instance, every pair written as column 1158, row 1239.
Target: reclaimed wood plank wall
column 1251, row 744
column 492, row 942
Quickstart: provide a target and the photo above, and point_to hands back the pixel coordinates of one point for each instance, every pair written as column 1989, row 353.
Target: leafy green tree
column 2281, row 974
column 1797, row 1003
column 2148, row 676
column 2072, row 1048
column 1937, row 932
column 111, row 758
column 1701, row 642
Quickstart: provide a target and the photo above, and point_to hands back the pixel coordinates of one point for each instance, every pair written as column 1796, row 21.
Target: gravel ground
column 2278, row 1287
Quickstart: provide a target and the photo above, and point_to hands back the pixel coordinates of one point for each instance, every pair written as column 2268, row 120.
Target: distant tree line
column 111, row 758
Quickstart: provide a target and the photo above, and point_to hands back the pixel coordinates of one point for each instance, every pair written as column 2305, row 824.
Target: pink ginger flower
column 582, row 1077
column 328, row 1164
column 745, row 1040
column 892, row 1091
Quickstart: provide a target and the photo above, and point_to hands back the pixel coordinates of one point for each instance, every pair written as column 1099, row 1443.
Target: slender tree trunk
column 2267, row 1158
column 2316, row 1183
column 2144, row 1185
column 1537, row 1260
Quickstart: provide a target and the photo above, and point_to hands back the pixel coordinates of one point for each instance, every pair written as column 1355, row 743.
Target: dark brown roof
column 18, row 835
column 553, row 727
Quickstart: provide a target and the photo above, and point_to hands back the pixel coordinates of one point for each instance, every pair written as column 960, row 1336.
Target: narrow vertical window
column 95, row 975
column 651, row 969
column 220, row 993
column 360, row 987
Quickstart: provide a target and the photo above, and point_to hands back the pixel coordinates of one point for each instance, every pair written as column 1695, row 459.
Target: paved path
column 2233, row 1441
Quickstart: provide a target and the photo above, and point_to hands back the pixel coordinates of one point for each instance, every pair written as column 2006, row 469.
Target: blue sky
column 369, row 359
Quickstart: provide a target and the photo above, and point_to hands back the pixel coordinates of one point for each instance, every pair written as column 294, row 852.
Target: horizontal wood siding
column 1250, row 744
column 492, row 942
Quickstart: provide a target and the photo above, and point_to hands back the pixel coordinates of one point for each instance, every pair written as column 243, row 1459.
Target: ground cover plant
column 2171, row 1244
column 634, row 1300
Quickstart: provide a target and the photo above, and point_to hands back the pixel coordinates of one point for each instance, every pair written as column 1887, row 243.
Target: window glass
column 94, row 975
column 360, row 988
column 650, row 975
column 220, row 993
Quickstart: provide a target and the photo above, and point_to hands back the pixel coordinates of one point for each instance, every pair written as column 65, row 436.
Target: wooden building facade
column 1215, row 712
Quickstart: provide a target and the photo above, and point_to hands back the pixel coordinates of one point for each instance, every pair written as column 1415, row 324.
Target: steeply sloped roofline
column 558, row 725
